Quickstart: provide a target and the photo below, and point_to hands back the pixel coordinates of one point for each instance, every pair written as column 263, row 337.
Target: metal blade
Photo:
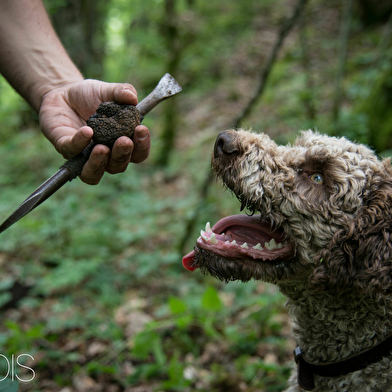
column 46, row 190
column 166, row 88
column 27, row 206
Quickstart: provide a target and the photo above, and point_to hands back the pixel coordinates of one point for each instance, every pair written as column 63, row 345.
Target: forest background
column 92, row 285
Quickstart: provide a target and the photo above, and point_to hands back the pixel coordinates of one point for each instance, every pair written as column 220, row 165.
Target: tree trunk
column 170, row 29
column 342, row 56
column 308, row 95
column 80, row 26
column 284, row 31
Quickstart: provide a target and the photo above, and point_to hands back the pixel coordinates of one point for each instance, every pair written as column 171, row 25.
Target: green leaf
column 184, row 322
column 210, row 300
column 149, row 342
column 157, row 350
column 176, row 305
column 142, row 346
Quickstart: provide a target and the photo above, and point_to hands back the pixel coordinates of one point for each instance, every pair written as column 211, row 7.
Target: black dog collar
column 359, row 361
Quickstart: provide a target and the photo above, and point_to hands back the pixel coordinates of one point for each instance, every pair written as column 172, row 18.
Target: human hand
column 63, row 114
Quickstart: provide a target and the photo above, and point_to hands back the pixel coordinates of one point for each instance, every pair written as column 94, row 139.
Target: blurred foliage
column 109, row 304
column 375, row 110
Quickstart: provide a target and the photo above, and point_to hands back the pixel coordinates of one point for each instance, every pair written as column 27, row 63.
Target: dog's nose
column 226, row 144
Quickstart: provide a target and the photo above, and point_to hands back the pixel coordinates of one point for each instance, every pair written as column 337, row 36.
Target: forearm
column 32, row 58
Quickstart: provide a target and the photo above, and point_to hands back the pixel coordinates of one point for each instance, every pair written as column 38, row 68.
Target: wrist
column 54, row 77
column 32, row 57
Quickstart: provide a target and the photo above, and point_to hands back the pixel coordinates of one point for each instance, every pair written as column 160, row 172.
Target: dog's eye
column 317, row 178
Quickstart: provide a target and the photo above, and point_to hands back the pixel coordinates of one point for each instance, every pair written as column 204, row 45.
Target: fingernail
column 128, row 90
column 102, row 158
column 142, row 134
column 87, row 133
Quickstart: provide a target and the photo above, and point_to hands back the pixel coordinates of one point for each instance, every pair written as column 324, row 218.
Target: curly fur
column 339, row 283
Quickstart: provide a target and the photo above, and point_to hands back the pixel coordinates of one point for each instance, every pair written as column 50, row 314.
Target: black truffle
column 111, row 121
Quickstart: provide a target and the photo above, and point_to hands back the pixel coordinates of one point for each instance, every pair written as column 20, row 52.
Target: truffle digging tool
column 109, row 122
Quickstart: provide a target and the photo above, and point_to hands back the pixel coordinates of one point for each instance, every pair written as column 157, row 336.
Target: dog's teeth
column 208, row 228
column 245, row 245
column 202, row 235
column 258, row 247
column 280, row 246
column 213, row 239
column 234, row 242
column 271, row 245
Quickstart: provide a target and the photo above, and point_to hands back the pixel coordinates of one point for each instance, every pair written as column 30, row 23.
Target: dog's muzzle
column 227, row 144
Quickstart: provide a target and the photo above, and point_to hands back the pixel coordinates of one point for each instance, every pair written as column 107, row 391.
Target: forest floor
column 105, row 304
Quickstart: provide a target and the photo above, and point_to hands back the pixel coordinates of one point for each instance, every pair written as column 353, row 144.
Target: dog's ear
column 359, row 257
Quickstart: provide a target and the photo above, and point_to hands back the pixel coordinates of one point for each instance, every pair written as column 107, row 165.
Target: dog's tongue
column 187, row 261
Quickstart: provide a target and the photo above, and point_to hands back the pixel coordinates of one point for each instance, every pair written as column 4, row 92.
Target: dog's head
column 320, row 214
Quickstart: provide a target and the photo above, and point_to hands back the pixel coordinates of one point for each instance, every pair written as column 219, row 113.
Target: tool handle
column 75, row 164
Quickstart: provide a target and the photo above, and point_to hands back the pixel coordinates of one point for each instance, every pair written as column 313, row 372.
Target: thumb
column 123, row 93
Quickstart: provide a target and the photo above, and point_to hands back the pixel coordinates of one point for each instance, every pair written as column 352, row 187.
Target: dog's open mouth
column 243, row 237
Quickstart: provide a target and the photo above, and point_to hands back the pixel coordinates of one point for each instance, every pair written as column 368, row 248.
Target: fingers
column 126, row 94
column 120, row 155
column 102, row 159
column 95, row 167
column 84, row 98
column 77, row 143
column 125, row 150
column 123, row 93
column 115, row 161
column 72, row 143
column 142, row 143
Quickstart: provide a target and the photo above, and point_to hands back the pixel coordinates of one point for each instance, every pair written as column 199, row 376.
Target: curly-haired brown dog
column 321, row 230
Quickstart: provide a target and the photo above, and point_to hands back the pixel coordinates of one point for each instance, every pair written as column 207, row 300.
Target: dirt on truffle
column 111, row 121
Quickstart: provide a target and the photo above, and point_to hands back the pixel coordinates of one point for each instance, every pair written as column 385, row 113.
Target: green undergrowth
column 105, row 303
column 92, row 254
